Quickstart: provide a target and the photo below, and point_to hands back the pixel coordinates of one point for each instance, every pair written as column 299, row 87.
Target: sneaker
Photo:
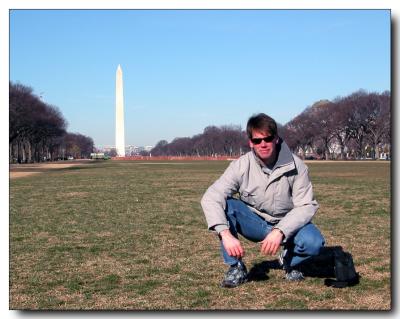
column 235, row 276
column 290, row 273
column 294, row 275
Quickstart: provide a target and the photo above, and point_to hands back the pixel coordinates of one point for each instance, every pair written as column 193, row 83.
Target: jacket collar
column 285, row 156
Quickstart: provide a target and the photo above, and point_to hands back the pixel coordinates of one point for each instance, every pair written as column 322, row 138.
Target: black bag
column 345, row 273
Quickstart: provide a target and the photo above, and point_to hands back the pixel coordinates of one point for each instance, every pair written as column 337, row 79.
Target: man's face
column 265, row 150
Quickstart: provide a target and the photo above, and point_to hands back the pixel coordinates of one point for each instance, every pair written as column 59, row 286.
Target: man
column 274, row 204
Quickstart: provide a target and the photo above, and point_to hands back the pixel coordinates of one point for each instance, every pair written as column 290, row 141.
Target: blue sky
column 186, row 69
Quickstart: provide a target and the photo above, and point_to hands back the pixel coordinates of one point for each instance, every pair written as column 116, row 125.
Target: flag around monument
column 119, row 115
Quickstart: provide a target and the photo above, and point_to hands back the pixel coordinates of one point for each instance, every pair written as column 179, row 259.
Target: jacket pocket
column 283, row 198
column 282, row 207
column 248, row 198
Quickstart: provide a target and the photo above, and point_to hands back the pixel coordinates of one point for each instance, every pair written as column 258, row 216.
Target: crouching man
column 274, row 206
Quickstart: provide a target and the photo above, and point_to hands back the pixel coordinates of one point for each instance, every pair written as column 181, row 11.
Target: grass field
column 132, row 235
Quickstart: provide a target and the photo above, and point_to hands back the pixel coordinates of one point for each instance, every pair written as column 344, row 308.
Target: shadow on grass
column 321, row 266
column 77, row 168
column 259, row 271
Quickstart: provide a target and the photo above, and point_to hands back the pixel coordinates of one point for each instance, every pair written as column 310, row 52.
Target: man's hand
column 271, row 243
column 232, row 245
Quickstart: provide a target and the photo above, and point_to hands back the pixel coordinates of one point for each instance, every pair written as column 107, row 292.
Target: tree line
column 38, row 131
column 351, row 127
column 227, row 140
column 356, row 126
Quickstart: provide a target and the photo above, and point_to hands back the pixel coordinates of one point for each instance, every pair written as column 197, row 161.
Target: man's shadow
column 321, row 266
column 259, row 271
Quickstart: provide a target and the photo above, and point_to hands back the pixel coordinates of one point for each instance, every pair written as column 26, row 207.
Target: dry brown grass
column 133, row 236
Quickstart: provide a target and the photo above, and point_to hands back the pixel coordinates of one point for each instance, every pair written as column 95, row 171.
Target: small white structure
column 97, row 156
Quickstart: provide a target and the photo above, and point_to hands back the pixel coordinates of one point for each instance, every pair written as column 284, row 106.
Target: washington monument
column 119, row 114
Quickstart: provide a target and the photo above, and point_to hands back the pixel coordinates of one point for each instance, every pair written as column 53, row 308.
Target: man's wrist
column 220, row 227
column 224, row 233
column 282, row 233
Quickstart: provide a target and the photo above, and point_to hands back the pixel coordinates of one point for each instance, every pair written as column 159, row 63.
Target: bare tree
column 341, row 130
column 300, row 133
column 378, row 120
column 323, row 124
column 358, row 120
column 78, row 145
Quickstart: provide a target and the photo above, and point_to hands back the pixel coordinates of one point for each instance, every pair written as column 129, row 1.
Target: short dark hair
column 261, row 122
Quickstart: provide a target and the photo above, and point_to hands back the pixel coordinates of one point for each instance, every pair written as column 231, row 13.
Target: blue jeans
column 302, row 245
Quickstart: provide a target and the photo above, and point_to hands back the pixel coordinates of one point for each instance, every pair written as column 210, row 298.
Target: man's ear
column 251, row 144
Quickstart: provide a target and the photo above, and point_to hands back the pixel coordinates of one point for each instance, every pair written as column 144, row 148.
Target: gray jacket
column 282, row 196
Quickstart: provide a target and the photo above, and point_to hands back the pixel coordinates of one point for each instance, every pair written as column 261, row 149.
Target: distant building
column 130, row 150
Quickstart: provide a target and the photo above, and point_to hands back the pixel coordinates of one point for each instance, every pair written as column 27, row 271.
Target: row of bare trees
column 228, row 140
column 38, row 131
column 355, row 126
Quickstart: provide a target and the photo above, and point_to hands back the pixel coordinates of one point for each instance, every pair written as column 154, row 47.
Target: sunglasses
column 267, row 139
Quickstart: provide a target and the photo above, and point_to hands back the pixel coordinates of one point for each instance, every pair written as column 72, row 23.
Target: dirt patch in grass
column 21, row 174
column 24, row 170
